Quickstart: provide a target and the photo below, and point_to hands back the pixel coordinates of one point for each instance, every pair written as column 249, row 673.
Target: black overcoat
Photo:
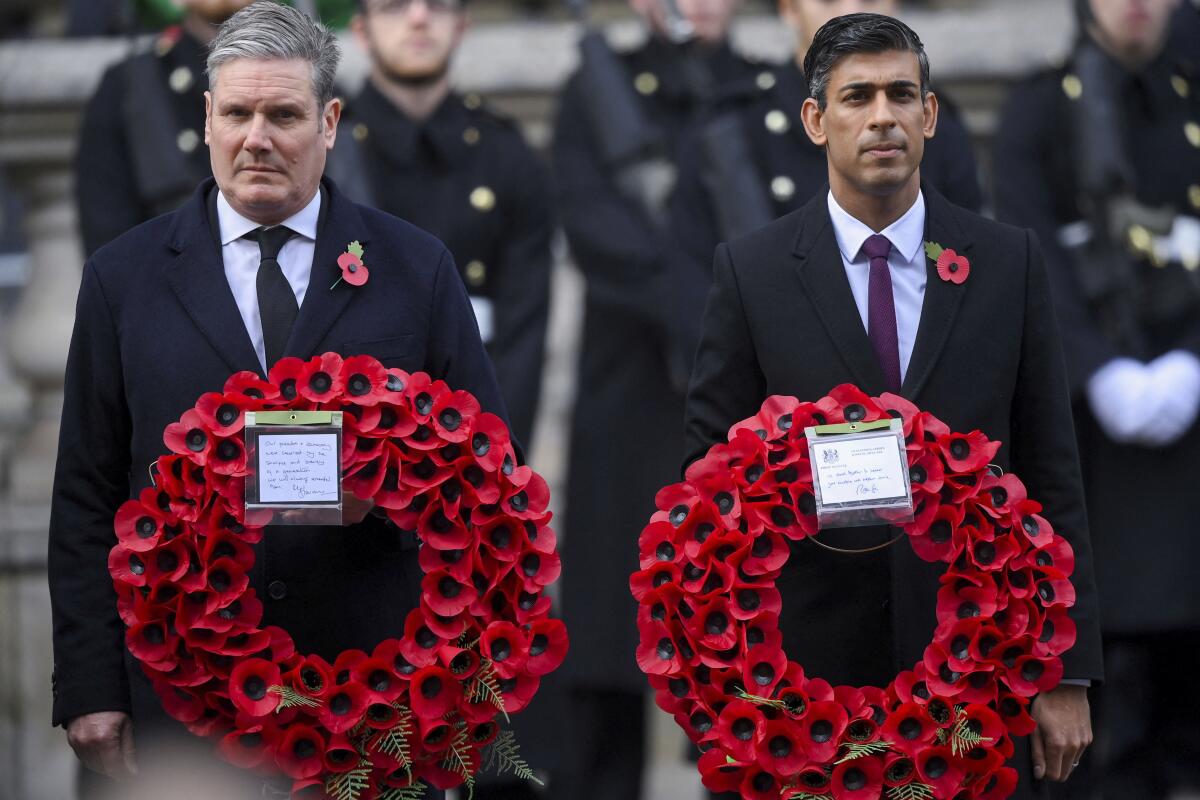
column 156, row 327
column 642, row 307
column 1143, row 527
column 781, row 320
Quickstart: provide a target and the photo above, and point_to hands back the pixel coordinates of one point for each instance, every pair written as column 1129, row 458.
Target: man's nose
column 258, row 138
column 882, row 113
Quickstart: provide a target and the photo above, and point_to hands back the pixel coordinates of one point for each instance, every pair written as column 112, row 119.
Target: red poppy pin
column 354, row 271
column 950, row 265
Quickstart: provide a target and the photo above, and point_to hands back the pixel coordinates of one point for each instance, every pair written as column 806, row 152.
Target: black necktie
column 276, row 300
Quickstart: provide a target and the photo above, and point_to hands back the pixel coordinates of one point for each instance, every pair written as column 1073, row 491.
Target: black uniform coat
column 467, row 176
column 156, row 327
column 141, row 144
column 1143, row 526
column 627, row 427
column 781, row 320
column 791, row 168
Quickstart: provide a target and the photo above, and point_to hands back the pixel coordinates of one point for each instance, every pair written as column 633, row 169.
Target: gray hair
column 266, row 30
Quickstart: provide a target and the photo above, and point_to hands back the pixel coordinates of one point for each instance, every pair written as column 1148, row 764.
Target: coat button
column 1072, row 87
column 180, row 80
column 646, row 83
column 1180, row 85
column 360, row 132
column 476, row 273
column 483, row 198
column 765, row 80
column 277, row 590
column 187, row 140
column 783, row 188
column 777, row 121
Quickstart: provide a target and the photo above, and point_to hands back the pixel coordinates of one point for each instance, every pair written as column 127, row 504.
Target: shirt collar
column 906, row 234
column 234, row 226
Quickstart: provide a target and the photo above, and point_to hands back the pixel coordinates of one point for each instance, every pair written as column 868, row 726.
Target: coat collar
column 406, row 141
column 198, row 278
column 819, row 266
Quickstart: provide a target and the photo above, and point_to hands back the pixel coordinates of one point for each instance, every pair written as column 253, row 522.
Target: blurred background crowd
column 582, row 163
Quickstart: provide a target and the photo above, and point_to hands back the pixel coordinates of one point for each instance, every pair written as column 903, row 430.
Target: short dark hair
column 858, row 33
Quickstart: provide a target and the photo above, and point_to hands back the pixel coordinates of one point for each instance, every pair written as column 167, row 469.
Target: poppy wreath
column 709, row 613
column 421, row 708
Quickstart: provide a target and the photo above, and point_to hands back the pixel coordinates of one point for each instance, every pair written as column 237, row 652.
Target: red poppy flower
column 858, row 779
column 249, row 384
column 548, row 644
column 999, row 785
column 441, row 532
column 505, row 645
column 434, row 692
column 126, row 566
column 538, row 569
column 222, row 413
column 420, row 644
column 740, row 729
column 249, row 687
column 658, row 653
column 853, row 405
column 941, row 769
column 718, row 773
column 1057, row 634
column 319, row 379
column 340, row 754
column 454, row 415
column 1035, row 527
column 251, row 744
column 712, row 626
column 189, row 437
column 952, row 267
column 821, row 729
column 749, row 601
column 1034, row 675
column 781, row 750
column 228, row 456
column 1014, row 711
column 180, row 704
column 354, row 271
column 812, row 780
column 518, row 691
column 382, row 683
column 764, row 667
column 344, row 706
column 967, row 453
column 446, row 594
column 169, row 562
column 898, row 769
column 758, row 784
column 983, row 722
column 300, row 751
column 365, row 380
column 243, row 644
column 909, row 728
column 960, row 602
column 285, row 374
column 226, row 580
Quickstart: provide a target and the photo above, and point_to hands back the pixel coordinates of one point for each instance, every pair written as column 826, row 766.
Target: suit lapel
column 942, row 298
column 819, row 264
column 341, row 224
column 198, row 279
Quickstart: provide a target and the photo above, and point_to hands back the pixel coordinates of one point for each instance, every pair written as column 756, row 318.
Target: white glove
column 1119, row 394
column 1174, row 390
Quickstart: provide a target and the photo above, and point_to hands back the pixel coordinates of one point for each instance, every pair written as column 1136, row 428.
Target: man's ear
column 330, row 117
column 207, row 117
column 814, row 122
column 931, row 114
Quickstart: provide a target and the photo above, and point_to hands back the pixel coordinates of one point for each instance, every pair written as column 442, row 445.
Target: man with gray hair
column 235, row 280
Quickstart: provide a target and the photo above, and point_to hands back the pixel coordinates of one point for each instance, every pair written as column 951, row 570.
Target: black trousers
column 1146, row 718
column 607, row 733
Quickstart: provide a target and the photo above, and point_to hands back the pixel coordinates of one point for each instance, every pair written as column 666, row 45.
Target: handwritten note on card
column 298, row 467
column 859, row 470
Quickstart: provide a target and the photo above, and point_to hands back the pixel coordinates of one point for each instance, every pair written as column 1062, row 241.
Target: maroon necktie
column 881, row 310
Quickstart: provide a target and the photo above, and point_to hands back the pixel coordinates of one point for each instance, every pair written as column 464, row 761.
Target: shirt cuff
column 1075, row 682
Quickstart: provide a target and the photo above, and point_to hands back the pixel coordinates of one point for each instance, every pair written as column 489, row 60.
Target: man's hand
column 1064, row 731
column 104, row 743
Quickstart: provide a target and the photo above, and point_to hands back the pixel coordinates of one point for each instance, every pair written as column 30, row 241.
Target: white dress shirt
column 906, row 263
column 241, row 258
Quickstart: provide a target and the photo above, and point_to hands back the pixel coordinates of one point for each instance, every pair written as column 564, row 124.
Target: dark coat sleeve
column 522, row 295
column 456, row 353
column 1045, row 455
column 727, row 384
column 1025, row 186
column 104, row 183
column 91, row 480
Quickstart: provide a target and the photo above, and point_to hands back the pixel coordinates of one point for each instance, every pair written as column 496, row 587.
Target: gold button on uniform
column 1194, row 195
column 471, row 135
column 782, row 188
column 181, row 80
column 1180, row 85
column 1192, row 131
column 1072, row 87
column 472, row 101
column 1140, row 239
column 360, row 132
column 646, row 83
column 483, row 198
column 777, row 121
column 187, row 140
column 476, row 273
column 765, row 81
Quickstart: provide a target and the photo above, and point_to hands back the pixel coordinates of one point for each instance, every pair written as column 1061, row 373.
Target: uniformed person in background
column 448, row 164
column 141, row 145
column 1102, row 158
column 783, row 168
column 619, row 122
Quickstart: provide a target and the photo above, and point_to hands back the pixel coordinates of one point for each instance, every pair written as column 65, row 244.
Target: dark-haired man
column 1101, row 156
column 787, row 168
column 841, row 291
column 450, row 165
column 141, row 144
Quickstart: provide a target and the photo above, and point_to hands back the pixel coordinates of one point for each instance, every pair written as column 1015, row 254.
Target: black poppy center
column 855, row 412
column 780, row 747
column 146, row 527
column 539, row 644
column 501, row 649
column 530, row 564
column 196, row 440
column 320, row 382
column 665, row 649
column 432, row 687
column 255, row 687
column 936, row 767
column 854, row 779
column 716, row 623
column 748, row 599
column 358, row 385
column 968, row 609
column 743, row 729
column 960, row 448
column 1032, row 670
column 724, row 501
column 304, row 748
column 763, row 674
column 701, row 722
column 821, row 731
column 910, row 729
